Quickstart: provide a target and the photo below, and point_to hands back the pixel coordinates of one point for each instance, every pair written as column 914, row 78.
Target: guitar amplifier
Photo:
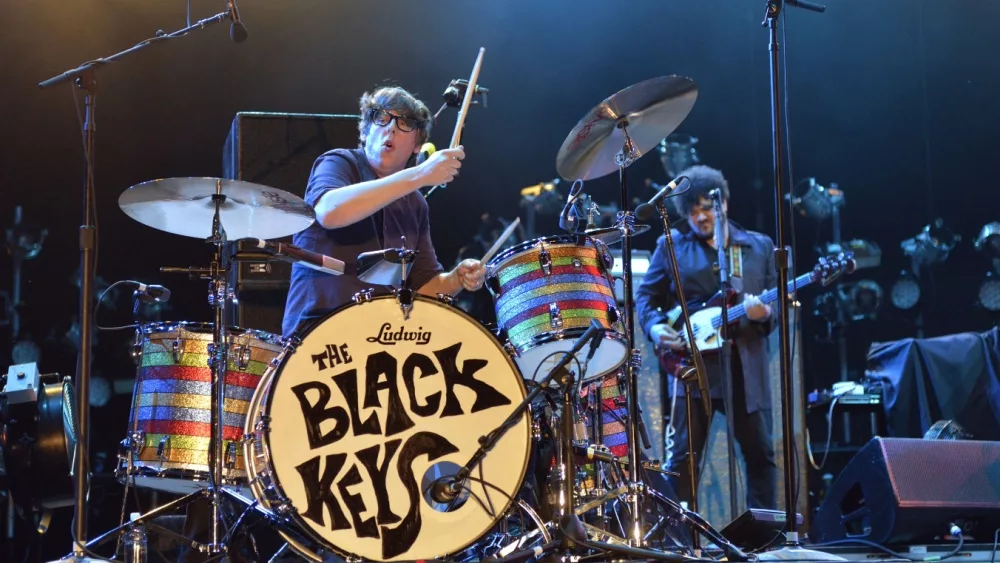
column 276, row 150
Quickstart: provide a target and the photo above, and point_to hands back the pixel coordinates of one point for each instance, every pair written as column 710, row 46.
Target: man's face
column 388, row 145
column 702, row 217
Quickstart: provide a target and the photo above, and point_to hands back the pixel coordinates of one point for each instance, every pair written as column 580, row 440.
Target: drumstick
column 503, row 238
column 456, row 137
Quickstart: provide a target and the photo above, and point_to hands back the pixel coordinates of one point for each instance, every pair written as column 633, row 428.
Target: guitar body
column 707, row 338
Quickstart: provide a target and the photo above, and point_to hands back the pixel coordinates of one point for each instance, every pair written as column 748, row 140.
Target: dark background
column 894, row 100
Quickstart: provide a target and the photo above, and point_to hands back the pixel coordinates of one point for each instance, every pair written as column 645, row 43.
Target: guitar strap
column 736, row 267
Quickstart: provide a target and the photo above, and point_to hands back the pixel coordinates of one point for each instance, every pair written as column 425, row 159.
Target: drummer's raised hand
column 471, row 274
column 441, row 167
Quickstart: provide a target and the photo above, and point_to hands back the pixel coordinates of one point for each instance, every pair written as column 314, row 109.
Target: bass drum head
column 370, row 408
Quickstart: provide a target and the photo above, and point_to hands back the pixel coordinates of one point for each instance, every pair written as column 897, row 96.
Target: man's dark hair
column 703, row 180
column 393, row 98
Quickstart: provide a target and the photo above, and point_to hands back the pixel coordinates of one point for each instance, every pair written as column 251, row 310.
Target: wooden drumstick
column 469, row 92
column 503, row 238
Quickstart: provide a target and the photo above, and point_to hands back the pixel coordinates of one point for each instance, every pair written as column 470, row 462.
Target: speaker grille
column 949, row 473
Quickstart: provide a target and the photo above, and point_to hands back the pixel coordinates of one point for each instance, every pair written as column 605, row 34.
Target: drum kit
column 399, row 427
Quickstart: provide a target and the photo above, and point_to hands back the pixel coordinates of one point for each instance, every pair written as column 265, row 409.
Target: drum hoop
column 568, row 334
column 498, row 260
column 160, row 327
column 264, row 407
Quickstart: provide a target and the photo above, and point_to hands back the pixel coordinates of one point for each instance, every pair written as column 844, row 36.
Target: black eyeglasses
column 382, row 118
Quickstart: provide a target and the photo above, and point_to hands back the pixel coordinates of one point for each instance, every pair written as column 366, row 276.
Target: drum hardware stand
column 725, row 357
column 85, row 78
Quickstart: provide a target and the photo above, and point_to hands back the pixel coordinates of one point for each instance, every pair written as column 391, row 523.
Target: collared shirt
column 657, row 294
column 312, row 295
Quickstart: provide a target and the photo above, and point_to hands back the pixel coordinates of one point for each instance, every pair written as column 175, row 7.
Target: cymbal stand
column 219, row 295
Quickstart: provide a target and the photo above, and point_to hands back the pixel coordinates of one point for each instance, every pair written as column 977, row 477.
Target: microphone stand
column 722, row 247
column 85, row 78
column 792, row 546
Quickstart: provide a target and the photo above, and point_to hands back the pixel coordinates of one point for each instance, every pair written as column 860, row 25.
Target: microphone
column 595, row 342
column 152, row 293
column 295, row 255
column 445, row 489
column 645, row 210
column 426, row 150
column 807, row 5
column 237, row 31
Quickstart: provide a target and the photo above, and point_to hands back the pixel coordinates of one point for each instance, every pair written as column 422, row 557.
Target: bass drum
column 358, row 417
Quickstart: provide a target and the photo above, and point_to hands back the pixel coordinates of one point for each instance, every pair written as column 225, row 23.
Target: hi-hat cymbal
column 650, row 111
column 184, row 206
column 614, row 235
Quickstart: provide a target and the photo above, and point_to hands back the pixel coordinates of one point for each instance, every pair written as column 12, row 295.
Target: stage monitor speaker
column 275, row 150
column 757, row 528
column 901, row 490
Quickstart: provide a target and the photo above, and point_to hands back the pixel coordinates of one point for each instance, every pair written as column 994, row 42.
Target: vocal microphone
column 645, row 210
column 426, row 150
column 237, row 31
column 295, row 255
column 151, row 293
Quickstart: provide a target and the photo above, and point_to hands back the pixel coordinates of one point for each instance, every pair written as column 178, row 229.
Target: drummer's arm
column 350, row 204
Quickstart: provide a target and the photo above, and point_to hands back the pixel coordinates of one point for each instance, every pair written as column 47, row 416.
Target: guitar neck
column 737, row 312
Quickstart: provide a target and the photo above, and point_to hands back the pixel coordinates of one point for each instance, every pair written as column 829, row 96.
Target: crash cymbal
column 613, row 235
column 651, row 110
column 184, row 206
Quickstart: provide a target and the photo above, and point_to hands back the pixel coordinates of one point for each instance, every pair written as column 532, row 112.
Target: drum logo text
column 331, row 480
column 389, row 337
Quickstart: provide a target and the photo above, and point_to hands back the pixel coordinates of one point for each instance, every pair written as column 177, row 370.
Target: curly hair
column 703, row 180
column 393, row 98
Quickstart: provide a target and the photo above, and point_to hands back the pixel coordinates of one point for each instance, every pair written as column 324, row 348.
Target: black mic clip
column 456, row 90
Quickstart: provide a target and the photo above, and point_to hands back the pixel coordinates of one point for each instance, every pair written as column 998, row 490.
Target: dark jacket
column 657, row 294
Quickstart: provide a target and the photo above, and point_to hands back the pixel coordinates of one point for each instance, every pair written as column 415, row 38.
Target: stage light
column 988, row 241
column 989, row 293
column 861, row 299
column 818, row 202
column 932, row 245
column 905, row 293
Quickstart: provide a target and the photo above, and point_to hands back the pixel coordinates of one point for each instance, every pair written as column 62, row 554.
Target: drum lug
column 175, row 349
column 445, row 298
column 363, row 296
column 230, row 462
column 242, row 354
column 163, row 448
column 577, row 264
column 508, row 346
column 545, row 261
column 136, row 351
column 636, row 360
column 555, row 316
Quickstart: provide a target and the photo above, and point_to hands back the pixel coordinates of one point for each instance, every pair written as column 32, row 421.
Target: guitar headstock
column 831, row 267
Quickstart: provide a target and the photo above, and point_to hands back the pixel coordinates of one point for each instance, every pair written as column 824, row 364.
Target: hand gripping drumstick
column 503, row 238
column 469, row 92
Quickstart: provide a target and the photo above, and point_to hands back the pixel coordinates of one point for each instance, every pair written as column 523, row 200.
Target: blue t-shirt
column 312, row 295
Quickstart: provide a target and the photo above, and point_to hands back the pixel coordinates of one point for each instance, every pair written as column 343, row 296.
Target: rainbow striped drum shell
column 546, row 291
column 171, row 413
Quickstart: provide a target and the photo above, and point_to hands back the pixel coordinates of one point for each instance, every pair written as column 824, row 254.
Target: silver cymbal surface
column 650, row 111
column 184, row 206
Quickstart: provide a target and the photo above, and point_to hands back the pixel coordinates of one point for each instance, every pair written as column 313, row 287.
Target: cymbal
column 651, row 109
column 613, row 235
column 184, row 206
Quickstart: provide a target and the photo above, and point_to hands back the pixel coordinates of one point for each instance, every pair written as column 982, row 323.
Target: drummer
column 366, row 199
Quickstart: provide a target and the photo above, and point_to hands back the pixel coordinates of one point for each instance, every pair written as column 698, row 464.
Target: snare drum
column 546, row 292
column 364, row 411
column 170, row 423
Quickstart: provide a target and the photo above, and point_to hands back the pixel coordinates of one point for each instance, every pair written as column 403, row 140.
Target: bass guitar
column 706, row 318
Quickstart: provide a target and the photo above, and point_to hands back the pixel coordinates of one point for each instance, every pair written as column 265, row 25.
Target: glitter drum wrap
column 171, row 404
column 546, row 292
